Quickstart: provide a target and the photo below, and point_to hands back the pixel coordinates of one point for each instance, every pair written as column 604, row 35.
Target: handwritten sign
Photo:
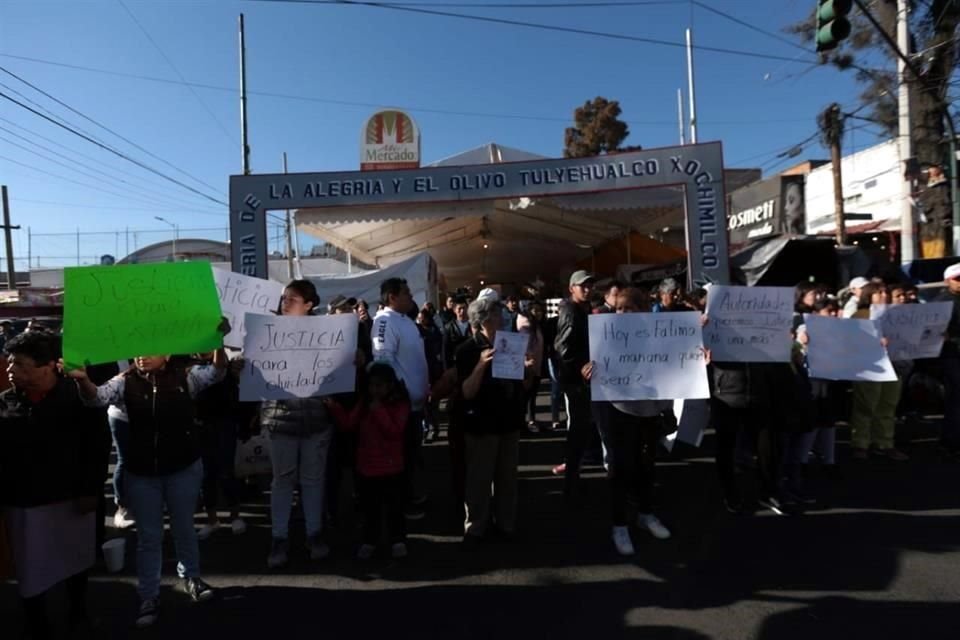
column 240, row 294
column 509, row 353
column 298, row 356
column 119, row 312
column 914, row 330
column 647, row 356
column 846, row 349
column 749, row 324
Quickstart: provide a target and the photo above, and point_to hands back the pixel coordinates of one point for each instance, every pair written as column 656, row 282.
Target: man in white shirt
column 397, row 342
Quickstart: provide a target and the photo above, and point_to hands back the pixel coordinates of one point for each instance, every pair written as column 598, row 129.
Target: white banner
column 509, row 353
column 749, row 324
column 846, row 349
column 239, row 295
column 914, row 330
column 298, row 356
column 647, row 356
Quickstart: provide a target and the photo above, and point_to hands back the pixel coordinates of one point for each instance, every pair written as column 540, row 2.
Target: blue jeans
column 120, row 430
column 147, row 496
column 556, row 393
column 300, row 460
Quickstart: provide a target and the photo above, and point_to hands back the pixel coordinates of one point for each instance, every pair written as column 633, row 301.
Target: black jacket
column 52, row 450
column 452, row 339
column 740, row 385
column 499, row 406
column 571, row 344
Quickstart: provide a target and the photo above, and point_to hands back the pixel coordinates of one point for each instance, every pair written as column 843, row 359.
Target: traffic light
column 832, row 24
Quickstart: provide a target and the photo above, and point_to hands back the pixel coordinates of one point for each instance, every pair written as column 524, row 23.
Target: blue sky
column 466, row 82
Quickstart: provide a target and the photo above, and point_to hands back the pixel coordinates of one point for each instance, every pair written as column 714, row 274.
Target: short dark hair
column 391, row 287
column 306, row 290
column 614, row 284
column 512, row 298
column 43, row 347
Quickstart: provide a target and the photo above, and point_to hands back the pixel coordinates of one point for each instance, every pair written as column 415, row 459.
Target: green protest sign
column 118, row 312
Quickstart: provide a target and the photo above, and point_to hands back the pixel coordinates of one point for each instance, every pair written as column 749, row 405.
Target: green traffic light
column 832, row 25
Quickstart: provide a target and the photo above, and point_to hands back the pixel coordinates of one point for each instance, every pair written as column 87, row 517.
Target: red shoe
column 559, row 470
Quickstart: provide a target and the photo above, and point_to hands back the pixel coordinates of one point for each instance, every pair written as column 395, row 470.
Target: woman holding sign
column 633, row 430
column 300, row 435
column 163, row 468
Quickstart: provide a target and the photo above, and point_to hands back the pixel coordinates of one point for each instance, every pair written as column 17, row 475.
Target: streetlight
column 176, row 232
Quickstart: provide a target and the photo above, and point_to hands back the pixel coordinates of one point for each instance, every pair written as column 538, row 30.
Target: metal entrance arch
column 696, row 168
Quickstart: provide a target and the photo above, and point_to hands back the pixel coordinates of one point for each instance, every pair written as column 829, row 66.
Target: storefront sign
column 698, row 168
column 390, row 140
column 768, row 208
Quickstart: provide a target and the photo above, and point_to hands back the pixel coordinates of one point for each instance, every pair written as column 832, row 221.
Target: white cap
column 489, row 294
column 858, row 283
column 951, row 272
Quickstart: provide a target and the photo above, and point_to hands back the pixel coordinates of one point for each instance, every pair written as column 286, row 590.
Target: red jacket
column 379, row 436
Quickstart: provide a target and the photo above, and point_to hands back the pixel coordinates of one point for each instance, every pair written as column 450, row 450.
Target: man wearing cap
column 573, row 353
column 950, row 360
column 856, row 286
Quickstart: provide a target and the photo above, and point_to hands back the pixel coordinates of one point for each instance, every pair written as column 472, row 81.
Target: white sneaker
column 622, row 541
column 398, row 550
column 652, row 524
column 365, row 552
column 122, row 519
column 207, row 530
column 238, row 526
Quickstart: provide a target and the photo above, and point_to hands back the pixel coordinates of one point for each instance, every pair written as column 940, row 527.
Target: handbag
column 253, row 457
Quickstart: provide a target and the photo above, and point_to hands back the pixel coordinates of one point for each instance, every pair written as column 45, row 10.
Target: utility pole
column 680, row 121
column 908, row 235
column 289, row 231
column 244, row 142
column 8, row 236
column 690, row 89
column 831, row 128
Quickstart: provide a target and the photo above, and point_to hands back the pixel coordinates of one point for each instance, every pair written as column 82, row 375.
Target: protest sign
column 647, row 356
column 846, row 349
column 122, row 311
column 509, row 354
column 749, row 324
column 298, row 356
column 240, row 294
column 913, row 330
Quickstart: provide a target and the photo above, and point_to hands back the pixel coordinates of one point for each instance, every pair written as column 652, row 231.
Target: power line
column 535, row 25
column 372, row 105
column 754, row 28
column 175, row 70
column 74, row 205
column 107, row 129
column 112, row 150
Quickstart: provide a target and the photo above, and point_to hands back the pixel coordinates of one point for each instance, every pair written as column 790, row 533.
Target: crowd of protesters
column 175, row 423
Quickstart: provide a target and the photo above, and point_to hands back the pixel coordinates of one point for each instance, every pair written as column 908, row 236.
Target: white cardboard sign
column 298, row 356
column 914, row 330
column 846, row 349
column 647, row 356
column 239, row 295
column 749, row 324
column 510, row 351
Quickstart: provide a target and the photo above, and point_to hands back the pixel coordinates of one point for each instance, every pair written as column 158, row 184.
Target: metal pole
column 908, row 239
column 30, row 249
column 690, row 89
column 243, row 102
column 680, row 121
column 836, row 160
column 8, row 236
column 289, row 231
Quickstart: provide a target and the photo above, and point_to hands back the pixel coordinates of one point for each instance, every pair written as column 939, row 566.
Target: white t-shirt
column 397, row 341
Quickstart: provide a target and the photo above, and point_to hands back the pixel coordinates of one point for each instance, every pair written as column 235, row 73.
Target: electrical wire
column 74, row 205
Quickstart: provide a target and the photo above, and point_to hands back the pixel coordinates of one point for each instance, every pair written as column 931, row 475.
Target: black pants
column 412, row 439
column 728, row 421
column 382, row 497
column 580, row 431
column 532, row 400
column 632, row 443
column 218, row 451
column 35, row 608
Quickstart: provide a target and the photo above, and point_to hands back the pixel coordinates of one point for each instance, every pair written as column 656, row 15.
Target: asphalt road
column 879, row 559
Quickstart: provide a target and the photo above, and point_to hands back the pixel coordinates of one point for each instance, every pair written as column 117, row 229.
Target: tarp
column 419, row 271
column 786, row 260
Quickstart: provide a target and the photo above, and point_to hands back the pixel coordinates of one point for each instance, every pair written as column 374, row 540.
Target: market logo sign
column 391, row 140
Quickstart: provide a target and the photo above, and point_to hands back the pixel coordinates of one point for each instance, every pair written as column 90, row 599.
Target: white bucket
column 114, row 552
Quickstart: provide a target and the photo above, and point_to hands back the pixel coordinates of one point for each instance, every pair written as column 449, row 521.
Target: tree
column 933, row 26
column 596, row 129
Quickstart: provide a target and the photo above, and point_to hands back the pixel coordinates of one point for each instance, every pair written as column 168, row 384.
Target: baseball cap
column 580, row 277
column 858, row 283
column 339, row 302
column 952, row 272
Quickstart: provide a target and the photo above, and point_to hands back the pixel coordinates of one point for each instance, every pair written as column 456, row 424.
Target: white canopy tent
column 420, row 272
column 504, row 240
